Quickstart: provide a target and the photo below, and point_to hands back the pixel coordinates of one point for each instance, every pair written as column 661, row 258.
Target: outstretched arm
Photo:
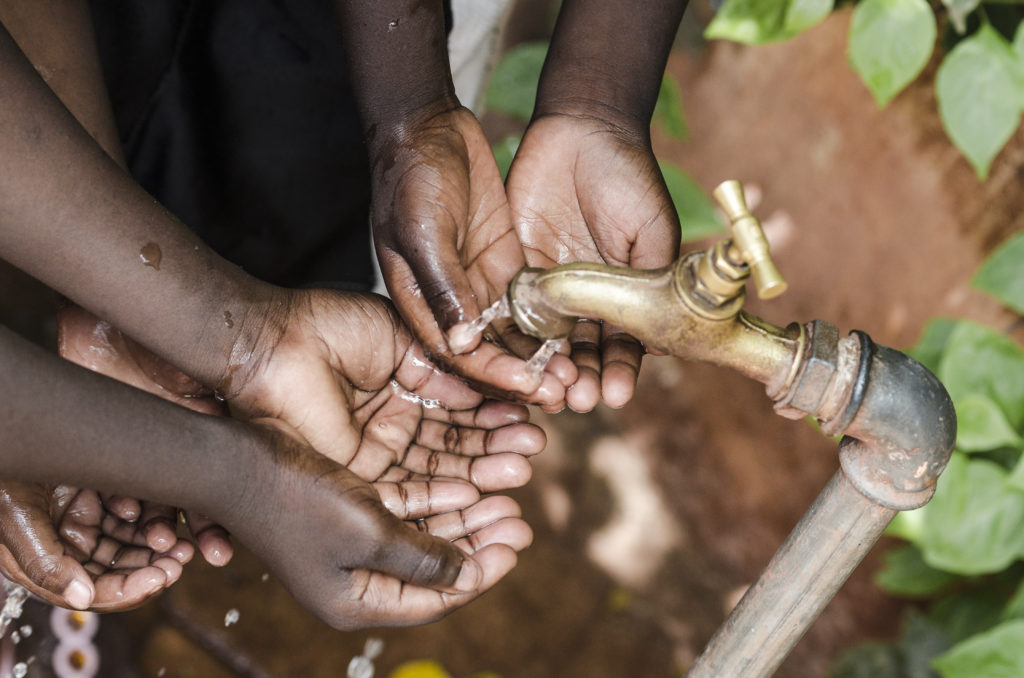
column 585, row 185
column 324, row 532
column 441, row 222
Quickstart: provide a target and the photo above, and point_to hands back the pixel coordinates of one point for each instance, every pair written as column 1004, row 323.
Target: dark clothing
column 237, row 116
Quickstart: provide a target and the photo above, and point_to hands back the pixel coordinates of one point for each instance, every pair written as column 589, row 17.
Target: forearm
column 61, row 423
column 57, row 37
column 76, row 221
column 398, row 60
column 607, row 58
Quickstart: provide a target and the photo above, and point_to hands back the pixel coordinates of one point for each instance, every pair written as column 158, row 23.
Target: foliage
column 964, row 548
column 512, row 90
column 979, row 85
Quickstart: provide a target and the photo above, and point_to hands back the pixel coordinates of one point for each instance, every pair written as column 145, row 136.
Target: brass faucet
column 691, row 309
column 897, row 418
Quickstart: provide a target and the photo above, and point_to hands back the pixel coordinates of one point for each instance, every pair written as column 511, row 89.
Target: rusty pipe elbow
column 902, row 434
column 897, row 420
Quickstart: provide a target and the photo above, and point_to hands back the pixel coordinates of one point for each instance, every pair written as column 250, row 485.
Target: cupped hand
column 342, row 548
column 76, row 548
column 583, row 189
column 447, row 249
column 63, row 545
column 340, row 372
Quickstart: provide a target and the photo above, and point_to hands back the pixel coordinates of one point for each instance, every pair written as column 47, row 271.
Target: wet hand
column 447, row 249
column 338, row 545
column 582, row 189
column 341, row 373
column 65, row 546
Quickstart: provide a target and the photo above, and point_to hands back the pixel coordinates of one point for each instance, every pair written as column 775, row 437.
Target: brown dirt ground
column 882, row 223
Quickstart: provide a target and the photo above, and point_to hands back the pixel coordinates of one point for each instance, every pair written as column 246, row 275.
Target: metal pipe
column 898, row 418
column 802, row 577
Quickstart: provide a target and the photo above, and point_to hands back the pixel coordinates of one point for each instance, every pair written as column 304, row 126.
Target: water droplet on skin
column 265, row 577
column 19, row 670
column 161, row 672
column 150, row 255
column 231, row 617
column 392, row 25
column 227, row 319
column 25, row 631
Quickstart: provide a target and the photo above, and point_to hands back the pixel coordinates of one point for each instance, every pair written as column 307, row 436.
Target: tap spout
column 664, row 308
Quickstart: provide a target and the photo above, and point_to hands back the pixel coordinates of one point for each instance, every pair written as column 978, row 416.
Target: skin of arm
column 71, row 217
column 323, row 532
column 57, row 37
column 441, row 221
column 585, row 185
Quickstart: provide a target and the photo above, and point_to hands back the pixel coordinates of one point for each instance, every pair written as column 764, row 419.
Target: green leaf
column 512, row 89
column 871, row 660
column 760, row 21
column 968, row 613
column 1016, row 479
column 975, row 522
column 930, row 346
column 890, row 43
column 1015, row 607
column 959, row 11
column 1018, row 42
column 985, row 362
column 505, row 152
column 668, row 109
column 993, row 654
column 802, row 14
column 906, row 574
column 982, row 426
column 980, row 96
column 1002, row 274
column 908, row 525
column 697, row 216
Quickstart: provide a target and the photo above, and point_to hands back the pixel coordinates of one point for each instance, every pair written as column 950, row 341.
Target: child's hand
column 340, row 372
column 346, row 557
column 66, row 547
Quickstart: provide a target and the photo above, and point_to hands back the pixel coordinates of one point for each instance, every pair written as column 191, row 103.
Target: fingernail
column 460, row 337
column 78, row 595
column 469, row 577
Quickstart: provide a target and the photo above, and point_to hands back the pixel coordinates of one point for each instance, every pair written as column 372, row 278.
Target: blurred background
column 650, row 521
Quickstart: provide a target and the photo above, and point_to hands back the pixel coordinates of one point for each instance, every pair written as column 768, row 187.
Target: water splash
column 409, row 396
column 362, row 666
column 539, row 360
column 231, row 617
column 15, row 596
column 464, row 334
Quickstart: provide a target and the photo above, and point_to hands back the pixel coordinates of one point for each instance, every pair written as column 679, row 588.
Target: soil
column 652, row 519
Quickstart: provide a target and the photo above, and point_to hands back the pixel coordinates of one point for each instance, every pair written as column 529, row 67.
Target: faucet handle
column 749, row 240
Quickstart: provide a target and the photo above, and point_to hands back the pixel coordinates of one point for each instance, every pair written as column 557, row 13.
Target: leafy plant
column 964, row 548
column 979, row 85
column 512, row 90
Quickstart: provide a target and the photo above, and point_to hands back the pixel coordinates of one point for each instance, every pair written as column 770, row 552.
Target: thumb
column 420, row 558
column 57, row 579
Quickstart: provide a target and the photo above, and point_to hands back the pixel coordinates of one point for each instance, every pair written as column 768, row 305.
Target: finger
column 429, row 285
column 57, row 579
column 415, row 557
column 524, row 346
column 418, row 499
column 390, row 603
column 158, row 526
column 126, row 589
column 492, row 473
column 512, row 532
column 525, row 439
column 584, row 395
column 212, row 540
column 458, row 524
column 621, row 355
column 125, row 508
